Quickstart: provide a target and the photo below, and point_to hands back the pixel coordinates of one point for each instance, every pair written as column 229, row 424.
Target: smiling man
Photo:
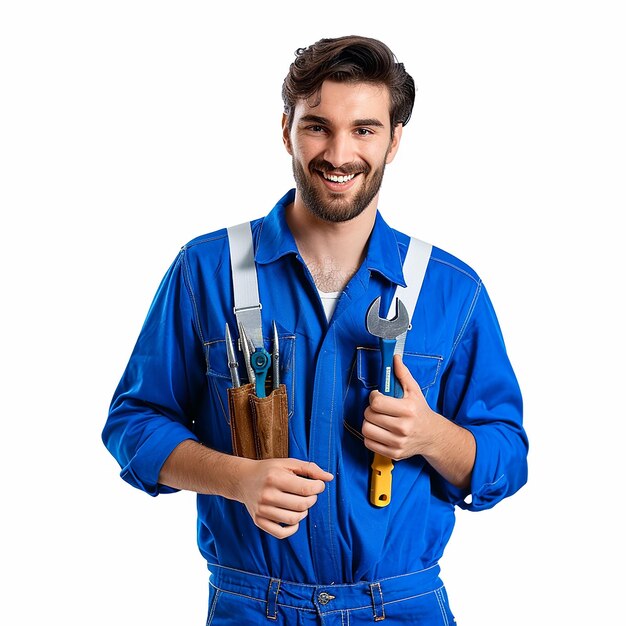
column 287, row 465
column 339, row 158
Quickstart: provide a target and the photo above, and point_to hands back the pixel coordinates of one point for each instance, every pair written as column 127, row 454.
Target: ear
column 394, row 144
column 286, row 135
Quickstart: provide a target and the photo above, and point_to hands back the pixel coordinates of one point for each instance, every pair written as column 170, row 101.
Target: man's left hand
column 398, row 428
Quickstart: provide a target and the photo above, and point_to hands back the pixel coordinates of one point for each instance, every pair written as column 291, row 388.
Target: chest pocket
column 364, row 379
column 218, row 374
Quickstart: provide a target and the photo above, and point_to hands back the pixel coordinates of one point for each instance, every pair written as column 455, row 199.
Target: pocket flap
column 424, row 368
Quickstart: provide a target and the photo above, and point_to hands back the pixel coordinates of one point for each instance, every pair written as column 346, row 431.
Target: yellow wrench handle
column 380, row 487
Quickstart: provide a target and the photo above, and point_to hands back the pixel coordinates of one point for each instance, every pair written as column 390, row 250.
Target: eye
column 363, row 132
column 315, row 128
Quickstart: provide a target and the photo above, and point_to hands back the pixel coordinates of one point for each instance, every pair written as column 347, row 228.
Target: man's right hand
column 278, row 493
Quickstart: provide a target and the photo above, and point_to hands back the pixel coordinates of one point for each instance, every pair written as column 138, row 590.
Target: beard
column 335, row 207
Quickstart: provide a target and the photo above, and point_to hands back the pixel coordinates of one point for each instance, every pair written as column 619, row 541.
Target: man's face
column 339, row 147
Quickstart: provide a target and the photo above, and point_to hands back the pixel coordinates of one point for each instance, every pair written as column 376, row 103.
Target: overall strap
column 246, row 291
column 414, row 267
column 245, row 287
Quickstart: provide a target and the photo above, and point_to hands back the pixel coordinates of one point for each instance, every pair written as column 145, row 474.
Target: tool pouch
column 241, row 421
column 259, row 427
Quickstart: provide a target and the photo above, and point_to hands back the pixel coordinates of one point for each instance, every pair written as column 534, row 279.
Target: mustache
column 346, row 169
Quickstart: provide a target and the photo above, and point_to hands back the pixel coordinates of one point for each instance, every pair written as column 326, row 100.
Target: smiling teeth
column 338, row 179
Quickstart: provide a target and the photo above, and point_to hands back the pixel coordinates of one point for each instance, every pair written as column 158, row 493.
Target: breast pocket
column 219, row 377
column 364, row 378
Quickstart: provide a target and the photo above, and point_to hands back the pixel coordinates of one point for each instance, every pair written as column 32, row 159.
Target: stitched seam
column 408, row 352
column 308, row 586
column 417, row 595
column 255, row 244
column 260, row 600
column 442, row 608
column 312, row 443
column 382, row 580
column 353, row 430
column 328, row 612
column 350, row 376
column 367, row 607
column 467, row 318
column 239, row 595
column 293, row 381
column 330, row 435
column 297, row 608
column 212, row 380
column 360, row 352
column 187, row 280
column 208, row 239
column 456, row 267
column 213, row 607
column 241, row 571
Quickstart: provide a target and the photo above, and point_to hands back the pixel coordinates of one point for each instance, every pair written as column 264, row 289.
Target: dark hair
column 349, row 59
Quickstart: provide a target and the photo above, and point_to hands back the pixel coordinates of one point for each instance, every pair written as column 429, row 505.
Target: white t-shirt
column 329, row 300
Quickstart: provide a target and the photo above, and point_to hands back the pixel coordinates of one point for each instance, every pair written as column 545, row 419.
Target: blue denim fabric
column 237, row 597
column 174, row 388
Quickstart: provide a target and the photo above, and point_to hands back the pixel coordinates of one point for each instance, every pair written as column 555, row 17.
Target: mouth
column 338, row 178
column 337, row 182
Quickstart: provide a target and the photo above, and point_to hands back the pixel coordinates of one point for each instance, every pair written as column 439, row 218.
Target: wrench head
column 381, row 326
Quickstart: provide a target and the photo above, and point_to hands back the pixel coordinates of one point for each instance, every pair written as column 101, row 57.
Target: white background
column 127, row 128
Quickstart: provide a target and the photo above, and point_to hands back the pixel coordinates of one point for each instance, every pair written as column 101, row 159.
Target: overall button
column 324, row 598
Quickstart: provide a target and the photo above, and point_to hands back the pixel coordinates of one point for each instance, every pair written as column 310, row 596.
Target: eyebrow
column 316, row 119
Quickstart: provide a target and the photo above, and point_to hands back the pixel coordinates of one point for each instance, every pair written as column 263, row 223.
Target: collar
column 274, row 240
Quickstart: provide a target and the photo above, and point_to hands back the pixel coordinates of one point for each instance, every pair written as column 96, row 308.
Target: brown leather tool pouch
column 271, row 422
column 259, row 427
column 241, row 421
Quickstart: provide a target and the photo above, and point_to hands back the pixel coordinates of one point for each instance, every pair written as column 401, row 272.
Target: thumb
column 404, row 376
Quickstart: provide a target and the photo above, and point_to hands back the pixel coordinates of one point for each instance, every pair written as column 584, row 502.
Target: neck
column 332, row 251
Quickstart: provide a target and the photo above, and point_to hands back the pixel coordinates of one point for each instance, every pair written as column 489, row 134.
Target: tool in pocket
column 388, row 331
column 259, row 422
column 232, row 359
column 259, row 362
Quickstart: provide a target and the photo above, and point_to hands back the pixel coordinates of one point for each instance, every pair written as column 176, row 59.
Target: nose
column 339, row 150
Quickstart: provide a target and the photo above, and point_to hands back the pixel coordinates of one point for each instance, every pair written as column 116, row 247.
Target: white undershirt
column 329, row 300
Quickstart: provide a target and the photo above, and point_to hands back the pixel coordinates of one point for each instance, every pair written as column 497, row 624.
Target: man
column 298, row 538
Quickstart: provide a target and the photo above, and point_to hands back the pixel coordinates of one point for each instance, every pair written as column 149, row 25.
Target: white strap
column 246, row 291
column 414, row 267
column 245, row 287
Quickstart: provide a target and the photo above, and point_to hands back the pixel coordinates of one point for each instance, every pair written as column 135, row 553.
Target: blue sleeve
column 153, row 406
column 482, row 395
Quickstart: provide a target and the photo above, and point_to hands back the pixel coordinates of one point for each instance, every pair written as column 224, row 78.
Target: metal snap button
column 325, row 598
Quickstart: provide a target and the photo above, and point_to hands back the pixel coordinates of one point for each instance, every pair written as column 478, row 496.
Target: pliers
column 256, row 359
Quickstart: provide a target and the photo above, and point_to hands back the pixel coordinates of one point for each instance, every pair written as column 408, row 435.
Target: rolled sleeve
column 153, row 407
column 483, row 396
column 143, row 468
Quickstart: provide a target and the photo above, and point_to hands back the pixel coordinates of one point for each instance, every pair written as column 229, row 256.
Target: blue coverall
column 349, row 559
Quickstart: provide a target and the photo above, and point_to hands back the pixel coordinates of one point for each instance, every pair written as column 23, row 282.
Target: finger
column 378, row 429
column 297, row 485
column 309, row 469
column 288, row 501
column 382, row 405
column 276, row 530
column 289, row 483
column 391, row 452
column 282, row 516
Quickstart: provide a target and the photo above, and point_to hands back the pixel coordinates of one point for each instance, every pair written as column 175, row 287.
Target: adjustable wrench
column 387, row 330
